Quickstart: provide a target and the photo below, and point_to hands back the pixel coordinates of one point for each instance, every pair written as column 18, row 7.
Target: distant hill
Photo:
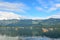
column 30, row 22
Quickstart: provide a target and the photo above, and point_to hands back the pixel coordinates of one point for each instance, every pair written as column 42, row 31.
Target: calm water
column 24, row 38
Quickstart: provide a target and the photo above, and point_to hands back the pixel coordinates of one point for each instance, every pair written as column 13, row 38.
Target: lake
column 4, row 37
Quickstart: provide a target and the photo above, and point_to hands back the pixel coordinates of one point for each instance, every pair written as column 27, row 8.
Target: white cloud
column 57, row 5
column 43, row 3
column 49, row 5
column 39, row 8
column 9, row 15
column 54, row 16
column 54, row 7
column 8, row 10
column 17, row 7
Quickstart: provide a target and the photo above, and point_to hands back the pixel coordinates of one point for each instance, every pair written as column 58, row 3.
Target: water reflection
column 4, row 37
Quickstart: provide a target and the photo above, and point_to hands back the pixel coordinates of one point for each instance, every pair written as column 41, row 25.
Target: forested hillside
column 30, row 22
column 28, row 27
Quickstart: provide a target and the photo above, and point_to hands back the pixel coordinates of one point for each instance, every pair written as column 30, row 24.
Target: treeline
column 52, row 32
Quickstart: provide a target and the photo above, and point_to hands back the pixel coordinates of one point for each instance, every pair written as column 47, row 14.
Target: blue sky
column 31, row 8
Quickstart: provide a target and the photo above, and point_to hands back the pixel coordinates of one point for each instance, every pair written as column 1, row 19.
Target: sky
column 30, row 9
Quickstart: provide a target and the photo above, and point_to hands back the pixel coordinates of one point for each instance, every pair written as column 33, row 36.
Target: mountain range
column 30, row 22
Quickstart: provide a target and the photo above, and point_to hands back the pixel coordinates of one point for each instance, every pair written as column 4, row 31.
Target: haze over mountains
column 7, row 15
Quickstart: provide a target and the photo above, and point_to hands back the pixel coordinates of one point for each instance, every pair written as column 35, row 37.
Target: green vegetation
column 52, row 32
